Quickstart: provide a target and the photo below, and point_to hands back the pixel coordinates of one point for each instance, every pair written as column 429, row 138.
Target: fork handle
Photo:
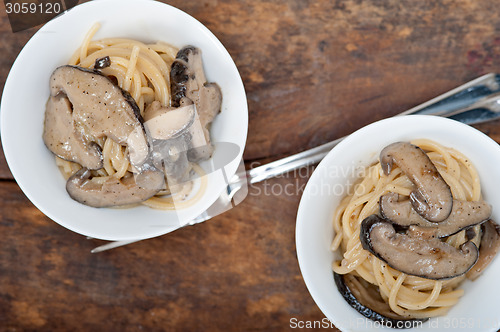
column 453, row 103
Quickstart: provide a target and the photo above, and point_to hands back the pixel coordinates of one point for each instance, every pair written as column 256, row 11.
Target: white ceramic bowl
column 27, row 90
column 478, row 309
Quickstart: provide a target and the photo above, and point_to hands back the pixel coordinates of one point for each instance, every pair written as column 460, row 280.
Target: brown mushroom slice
column 432, row 198
column 366, row 299
column 188, row 81
column 200, row 148
column 64, row 140
column 464, row 214
column 168, row 123
column 426, row 257
column 100, row 108
column 131, row 189
column 489, row 248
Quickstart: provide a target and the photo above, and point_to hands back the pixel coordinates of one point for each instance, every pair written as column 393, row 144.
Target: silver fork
column 474, row 102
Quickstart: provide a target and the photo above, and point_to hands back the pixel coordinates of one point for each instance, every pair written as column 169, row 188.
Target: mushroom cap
column 65, row 138
column 432, row 198
column 131, row 189
column 170, row 130
column 367, row 301
column 189, row 85
column 489, row 248
column 169, row 123
column 98, row 108
column 464, row 214
column 171, row 156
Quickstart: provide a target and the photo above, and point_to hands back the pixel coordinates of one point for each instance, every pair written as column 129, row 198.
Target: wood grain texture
column 313, row 71
column 236, row 272
column 318, row 70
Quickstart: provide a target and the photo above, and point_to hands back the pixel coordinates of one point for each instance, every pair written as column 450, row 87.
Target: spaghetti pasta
column 408, row 296
column 142, row 70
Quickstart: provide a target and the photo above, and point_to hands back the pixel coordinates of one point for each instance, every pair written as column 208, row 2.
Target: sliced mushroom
column 464, row 214
column 188, row 81
column 99, row 108
column 409, row 253
column 171, row 155
column 166, row 123
column 131, row 189
column 489, row 248
column 432, row 198
column 64, row 139
column 102, row 63
column 170, row 129
column 366, row 299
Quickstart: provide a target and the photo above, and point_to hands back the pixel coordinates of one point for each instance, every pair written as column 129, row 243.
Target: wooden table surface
column 313, row 71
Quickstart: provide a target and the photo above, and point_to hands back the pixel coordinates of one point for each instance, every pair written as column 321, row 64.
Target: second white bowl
column 478, row 309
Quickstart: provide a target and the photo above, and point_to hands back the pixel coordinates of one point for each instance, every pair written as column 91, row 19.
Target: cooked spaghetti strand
column 408, row 296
